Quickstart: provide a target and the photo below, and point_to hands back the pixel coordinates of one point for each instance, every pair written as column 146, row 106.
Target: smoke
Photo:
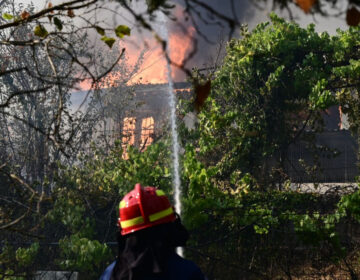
column 210, row 31
column 196, row 38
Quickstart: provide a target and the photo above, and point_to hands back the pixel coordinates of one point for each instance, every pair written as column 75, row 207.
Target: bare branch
column 14, row 222
column 22, row 92
column 61, row 7
column 6, row 72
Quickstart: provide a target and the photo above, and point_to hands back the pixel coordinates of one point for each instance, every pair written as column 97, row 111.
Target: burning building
column 144, row 121
column 141, row 126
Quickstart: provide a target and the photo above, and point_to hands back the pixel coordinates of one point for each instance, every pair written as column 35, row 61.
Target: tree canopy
column 274, row 85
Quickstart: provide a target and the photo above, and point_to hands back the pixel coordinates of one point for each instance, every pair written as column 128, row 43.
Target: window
column 147, row 132
column 128, row 133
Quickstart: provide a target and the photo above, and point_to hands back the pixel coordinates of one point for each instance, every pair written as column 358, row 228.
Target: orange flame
column 153, row 69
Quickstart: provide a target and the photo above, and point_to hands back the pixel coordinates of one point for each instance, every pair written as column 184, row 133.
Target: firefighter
column 149, row 232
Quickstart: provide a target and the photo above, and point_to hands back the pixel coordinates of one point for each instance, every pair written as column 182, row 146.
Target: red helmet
column 144, row 207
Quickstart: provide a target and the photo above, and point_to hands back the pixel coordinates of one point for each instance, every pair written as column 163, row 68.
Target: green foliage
column 320, row 97
column 350, row 205
column 26, row 256
column 154, row 5
column 17, row 262
column 111, row 174
column 83, row 255
column 40, row 31
column 69, row 210
column 7, row 16
column 237, row 222
column 79, row 248
column 122, row 30
column 7, row 257
column 200, row 193
column 108, row 41
column 58, row 23
column 271, row 91
column 100, row 30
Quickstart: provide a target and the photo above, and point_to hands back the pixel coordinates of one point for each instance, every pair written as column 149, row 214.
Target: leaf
column 100, row 30
column 108, row 41
column 153, row 5
column 122, row 30
column 40, row 31
column 58, row 23
column 305, row 5
column 7, row 16
column 25, row 14
column 202, row 92
column 353, row 17
column 70, row 13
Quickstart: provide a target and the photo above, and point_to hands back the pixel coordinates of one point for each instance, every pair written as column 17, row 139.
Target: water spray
column 175, row 141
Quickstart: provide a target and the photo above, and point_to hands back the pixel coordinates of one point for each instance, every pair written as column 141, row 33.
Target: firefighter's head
column 144, row 207
column 149, row 231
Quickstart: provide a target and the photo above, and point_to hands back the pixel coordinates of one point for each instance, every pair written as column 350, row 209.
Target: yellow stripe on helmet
column 160, row 193
column 122, row 204
column 161, row 214
column 132, row 222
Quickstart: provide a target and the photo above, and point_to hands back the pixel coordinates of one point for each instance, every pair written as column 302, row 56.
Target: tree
column 39, row 127
column 38, row 62
column 271, row 91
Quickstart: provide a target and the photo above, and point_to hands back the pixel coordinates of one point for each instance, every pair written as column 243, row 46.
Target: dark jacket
column 177, row 269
